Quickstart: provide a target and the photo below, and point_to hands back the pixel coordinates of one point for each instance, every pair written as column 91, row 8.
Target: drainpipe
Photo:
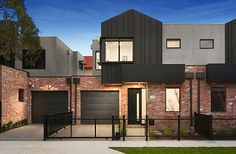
column 71, row 82
column 200, row 76
column 75, row 101
column 0, row 116
column 189, row 76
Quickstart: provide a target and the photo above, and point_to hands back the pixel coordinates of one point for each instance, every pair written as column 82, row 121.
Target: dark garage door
column 99, row 104
column 48, row 102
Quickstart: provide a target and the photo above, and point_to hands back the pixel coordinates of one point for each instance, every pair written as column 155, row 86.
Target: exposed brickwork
column 43, row 83
column 11, row 81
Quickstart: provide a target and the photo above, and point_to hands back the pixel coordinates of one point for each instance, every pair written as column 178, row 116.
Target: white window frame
column 97, row 66
column 173, row 39
column 119, row 51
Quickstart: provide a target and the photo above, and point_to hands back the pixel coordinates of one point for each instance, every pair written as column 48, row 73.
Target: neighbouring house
column 140, row 67
column 88, row 66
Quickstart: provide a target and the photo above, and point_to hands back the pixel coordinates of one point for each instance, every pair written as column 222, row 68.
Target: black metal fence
column 204, row 127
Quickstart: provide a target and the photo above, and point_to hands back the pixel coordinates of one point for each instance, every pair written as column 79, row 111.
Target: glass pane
column 98, row 60
column 217, row 99
column 206, row 44
column 172, row 99
column 173, row 43
column 126, row 51
column 112, row 48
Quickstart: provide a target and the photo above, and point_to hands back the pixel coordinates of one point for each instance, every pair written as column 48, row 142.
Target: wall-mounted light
column 49, row 86
column 31, row 85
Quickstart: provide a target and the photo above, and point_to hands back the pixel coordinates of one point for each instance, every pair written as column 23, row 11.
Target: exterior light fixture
column 49, row 86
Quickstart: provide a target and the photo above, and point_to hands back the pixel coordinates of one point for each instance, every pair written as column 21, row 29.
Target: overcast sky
column 77, row 22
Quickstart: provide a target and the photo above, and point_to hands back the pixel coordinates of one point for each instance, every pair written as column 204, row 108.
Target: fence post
column 178, row 127
column 146, row 127
column 45, row 128
column 71, row 124
column 113, row 127
column 124, row 128
column 210, row 127
column 95, row 128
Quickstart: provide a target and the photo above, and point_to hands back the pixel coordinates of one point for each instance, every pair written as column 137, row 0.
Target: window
column 172, row 99
column 119, row 50
column 173, row 43
column 21, row 95
column 38, row 58
column 218, row 99
column 206, row 43
column 97, row 60
column 81, row 65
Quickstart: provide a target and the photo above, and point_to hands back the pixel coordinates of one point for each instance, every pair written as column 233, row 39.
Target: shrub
column 183, row 132
column 168, row 132
column 11, row 125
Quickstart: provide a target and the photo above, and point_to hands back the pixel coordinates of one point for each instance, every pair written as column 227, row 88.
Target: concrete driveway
column 33, row 132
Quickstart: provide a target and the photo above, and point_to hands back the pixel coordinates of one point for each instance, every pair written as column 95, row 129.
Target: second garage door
column 48, row 102
column 99, row 104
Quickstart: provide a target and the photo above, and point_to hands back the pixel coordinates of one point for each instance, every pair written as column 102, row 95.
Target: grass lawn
column 154, row 150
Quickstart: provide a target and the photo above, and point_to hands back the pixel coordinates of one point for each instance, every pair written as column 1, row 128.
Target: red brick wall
column 11, row 81
column 42, row 83
column 156, row 106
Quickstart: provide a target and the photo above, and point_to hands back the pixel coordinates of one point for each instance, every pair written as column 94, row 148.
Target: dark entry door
column 99, row 105
column 134, row 106
column 48, row 102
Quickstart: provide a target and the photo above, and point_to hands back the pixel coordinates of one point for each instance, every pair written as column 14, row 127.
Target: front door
column 134, row 106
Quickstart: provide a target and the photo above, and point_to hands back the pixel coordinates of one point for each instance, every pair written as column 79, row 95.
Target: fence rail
column 204, row 127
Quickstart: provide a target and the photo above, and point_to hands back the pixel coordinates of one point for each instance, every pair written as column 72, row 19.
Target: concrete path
column 96, row 147
column 32, row 132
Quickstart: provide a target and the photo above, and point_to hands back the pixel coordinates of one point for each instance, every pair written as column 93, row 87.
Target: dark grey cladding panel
column 189, row 75
column 230, row 42
column 145, row 31
column 200, row 75
column 165, row 73
column 221, row 73
column 111, row 73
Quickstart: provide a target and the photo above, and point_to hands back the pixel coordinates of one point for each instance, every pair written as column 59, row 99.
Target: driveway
column 33, row 132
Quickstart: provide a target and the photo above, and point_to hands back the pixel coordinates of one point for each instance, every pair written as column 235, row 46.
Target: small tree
column 17, row 32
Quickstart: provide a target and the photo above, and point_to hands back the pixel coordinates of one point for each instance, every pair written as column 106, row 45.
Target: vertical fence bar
column 113, row 127
column 146, row 127
column 45, row 128
column 198, row 96
column 124, row 128
column 178, row 127
column 210, row 127
column 95, row 128
column 191, row 103
column 71, row 124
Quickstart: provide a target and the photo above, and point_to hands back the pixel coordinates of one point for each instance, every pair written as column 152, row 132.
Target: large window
column 172, row 99
column 119, row 50
column 218, row 99
column 206, row 44
column 97, row 60
column 173, row 43
column 33, row 61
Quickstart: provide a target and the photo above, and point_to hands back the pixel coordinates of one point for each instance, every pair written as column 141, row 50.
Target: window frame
column 96, row 63
column 28, row 68
column 166, row 98
column 118, row 40
column 224, row 100
column 213, row 44
column 21, row 95
column 173, row 39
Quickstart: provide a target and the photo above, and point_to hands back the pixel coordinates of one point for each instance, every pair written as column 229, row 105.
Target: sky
column 78, row 22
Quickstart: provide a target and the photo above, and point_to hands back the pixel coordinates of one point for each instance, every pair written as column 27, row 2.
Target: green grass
column 152, row 150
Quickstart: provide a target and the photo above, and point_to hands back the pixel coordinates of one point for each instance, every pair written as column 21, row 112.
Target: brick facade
column 11, row 81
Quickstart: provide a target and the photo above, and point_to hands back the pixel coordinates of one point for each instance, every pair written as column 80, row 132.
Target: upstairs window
column 119, row 50
column 218, row 103
column 97, row 60
column 206, row 43
column 173, row 43
column 33, row 61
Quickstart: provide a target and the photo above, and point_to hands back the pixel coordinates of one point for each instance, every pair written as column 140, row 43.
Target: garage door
column 48, row 102
column 99, row 104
